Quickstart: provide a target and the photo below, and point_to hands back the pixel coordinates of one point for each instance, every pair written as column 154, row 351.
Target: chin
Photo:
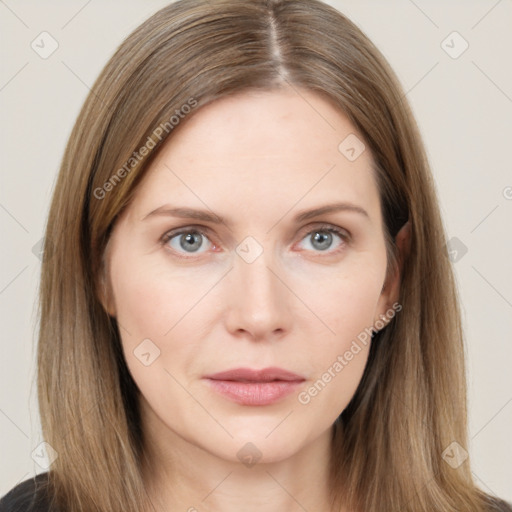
column 266, row 445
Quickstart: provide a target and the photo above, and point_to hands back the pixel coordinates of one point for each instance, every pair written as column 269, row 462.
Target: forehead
column 264, row 149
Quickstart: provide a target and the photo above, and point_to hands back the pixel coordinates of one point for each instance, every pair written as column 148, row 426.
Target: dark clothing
column 30, row 496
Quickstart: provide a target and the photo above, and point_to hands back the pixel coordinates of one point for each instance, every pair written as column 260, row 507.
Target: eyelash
column 329, row 228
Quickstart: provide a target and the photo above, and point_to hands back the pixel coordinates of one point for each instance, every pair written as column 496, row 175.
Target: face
column 255, row 241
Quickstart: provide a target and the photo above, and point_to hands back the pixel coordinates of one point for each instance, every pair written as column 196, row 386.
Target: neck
column 181, row 475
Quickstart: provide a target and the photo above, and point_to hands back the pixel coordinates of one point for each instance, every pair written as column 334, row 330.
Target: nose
column 259, row 302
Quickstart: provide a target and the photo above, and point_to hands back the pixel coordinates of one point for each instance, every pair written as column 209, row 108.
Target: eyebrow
column 208, row 216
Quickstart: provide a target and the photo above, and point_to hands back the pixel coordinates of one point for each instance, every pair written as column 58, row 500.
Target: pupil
column 322, row 240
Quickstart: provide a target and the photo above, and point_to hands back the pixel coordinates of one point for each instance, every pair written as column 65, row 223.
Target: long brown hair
column 410, row 406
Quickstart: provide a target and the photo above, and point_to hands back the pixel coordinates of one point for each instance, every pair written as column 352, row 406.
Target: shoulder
column 497, row 505
column 28, row 496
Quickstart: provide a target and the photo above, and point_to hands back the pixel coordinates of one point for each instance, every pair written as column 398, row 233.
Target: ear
column 391, row 289
column 105, row 295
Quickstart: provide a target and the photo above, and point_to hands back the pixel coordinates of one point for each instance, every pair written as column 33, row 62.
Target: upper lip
column 251, row 375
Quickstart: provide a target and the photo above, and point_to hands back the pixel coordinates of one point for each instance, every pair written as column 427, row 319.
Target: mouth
column 246, row 386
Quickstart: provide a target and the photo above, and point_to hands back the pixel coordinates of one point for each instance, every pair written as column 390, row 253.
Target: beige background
column 464, row 109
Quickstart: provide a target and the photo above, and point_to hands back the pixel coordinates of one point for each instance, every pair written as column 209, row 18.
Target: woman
column 245, row 299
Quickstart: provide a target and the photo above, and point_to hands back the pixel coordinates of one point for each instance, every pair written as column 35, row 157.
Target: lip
column 247, row 386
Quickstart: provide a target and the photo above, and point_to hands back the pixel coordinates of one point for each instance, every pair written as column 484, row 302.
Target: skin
column 255, row 159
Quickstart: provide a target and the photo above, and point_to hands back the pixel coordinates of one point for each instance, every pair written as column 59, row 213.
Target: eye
column 195, row 241
column 191, row 241
column 323, row 238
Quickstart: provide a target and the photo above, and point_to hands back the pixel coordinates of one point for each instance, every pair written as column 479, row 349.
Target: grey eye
column 321, row 240
column 188, row 241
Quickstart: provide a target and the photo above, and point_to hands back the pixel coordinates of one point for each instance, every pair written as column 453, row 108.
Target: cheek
column 151, row 298
column 348, row 306
column 160, row 311
column 346, row 301
column 151, row 311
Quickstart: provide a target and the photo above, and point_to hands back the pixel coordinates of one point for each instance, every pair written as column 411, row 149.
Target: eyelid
column 203, row 230
column 326, row 226
column 168, row 235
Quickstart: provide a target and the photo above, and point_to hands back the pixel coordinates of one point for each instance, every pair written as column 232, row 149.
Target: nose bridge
column 258, row 300
column 257, row 278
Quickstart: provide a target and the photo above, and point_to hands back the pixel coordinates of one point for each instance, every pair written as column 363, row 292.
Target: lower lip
column 254, row 393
